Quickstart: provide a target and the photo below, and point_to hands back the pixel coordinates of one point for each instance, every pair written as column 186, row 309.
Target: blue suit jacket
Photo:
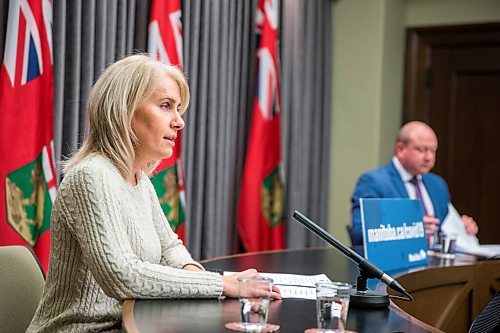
column 385, row 182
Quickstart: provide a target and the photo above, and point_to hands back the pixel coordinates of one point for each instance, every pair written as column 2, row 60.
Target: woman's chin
column 167, row 154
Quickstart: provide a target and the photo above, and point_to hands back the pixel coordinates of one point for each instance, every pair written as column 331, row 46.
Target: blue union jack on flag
column 27, row 171
column 23, row 44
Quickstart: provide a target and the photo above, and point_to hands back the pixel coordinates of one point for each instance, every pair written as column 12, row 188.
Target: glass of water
column 332, row 305
column 448, row 244
column 254, row 310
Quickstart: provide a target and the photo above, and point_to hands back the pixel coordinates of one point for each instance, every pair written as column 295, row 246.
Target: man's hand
column 431, row 224
column 470, row 225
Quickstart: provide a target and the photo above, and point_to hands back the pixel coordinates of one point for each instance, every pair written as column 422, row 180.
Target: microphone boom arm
column 367, row 270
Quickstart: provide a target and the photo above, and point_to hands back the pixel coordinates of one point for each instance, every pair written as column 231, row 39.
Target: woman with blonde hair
column 110, row 239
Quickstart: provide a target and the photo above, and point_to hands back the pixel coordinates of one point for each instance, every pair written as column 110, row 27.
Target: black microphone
column 360, row 296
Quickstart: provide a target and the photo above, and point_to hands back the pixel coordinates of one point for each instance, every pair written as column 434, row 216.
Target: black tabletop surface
column 293, row 315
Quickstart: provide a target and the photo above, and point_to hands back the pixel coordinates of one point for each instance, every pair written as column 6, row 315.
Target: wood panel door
column 452, row 82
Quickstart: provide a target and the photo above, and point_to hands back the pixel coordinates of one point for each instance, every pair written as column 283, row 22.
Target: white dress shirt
column 410, row 188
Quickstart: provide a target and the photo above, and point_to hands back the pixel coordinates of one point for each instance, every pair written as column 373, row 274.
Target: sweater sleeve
column 91, row 209
column 174, row 253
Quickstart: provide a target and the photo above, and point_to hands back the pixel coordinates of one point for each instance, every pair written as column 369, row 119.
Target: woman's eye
column 167, row 106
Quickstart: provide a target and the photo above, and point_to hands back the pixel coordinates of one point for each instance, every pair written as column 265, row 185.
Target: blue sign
column 394, row 233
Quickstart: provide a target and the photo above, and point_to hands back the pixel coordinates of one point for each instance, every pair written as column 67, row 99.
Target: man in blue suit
column 408, row 176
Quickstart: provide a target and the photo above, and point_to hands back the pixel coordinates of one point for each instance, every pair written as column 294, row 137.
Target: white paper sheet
column 294, row 285
column 466, row 243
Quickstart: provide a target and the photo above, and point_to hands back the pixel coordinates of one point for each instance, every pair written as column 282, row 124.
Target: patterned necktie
column 415, row 182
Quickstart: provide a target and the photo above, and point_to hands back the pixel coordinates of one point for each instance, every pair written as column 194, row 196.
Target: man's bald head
column 413, row 129
column 416, row 147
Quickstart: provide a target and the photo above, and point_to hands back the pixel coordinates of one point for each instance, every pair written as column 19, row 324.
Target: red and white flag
column 261, row 201
column 27, row 172
column 165, row 44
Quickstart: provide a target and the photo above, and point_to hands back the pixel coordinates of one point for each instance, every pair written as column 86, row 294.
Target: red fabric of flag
column 27, row 172
column 261, row 201
column 165, row 44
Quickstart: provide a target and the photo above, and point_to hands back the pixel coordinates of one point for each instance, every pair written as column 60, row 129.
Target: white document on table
column 466, row 243
column 294, row 285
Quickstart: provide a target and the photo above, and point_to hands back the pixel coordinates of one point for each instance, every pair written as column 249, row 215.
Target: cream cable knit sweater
column 109, row 242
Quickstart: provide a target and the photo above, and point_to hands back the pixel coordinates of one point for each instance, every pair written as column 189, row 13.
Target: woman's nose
column 178, row 122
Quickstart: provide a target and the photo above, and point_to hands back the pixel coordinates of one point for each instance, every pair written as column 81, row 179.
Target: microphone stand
column 361, row 296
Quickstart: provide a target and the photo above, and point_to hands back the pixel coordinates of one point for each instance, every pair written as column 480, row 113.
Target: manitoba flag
column 261, row 201
column 27, row 173
column 165, row 44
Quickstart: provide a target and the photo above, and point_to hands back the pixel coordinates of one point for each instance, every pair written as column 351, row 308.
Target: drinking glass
column 254, row 310
column 448, row 244
column 431, row 243
column 332, row 305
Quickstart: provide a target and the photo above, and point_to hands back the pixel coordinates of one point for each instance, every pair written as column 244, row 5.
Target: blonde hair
column 112, row 103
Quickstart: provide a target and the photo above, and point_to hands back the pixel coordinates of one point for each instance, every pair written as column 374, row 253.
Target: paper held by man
column 466, row 243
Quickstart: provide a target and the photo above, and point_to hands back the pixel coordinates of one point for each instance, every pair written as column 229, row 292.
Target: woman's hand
column 231, row 288
column 192, row 267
